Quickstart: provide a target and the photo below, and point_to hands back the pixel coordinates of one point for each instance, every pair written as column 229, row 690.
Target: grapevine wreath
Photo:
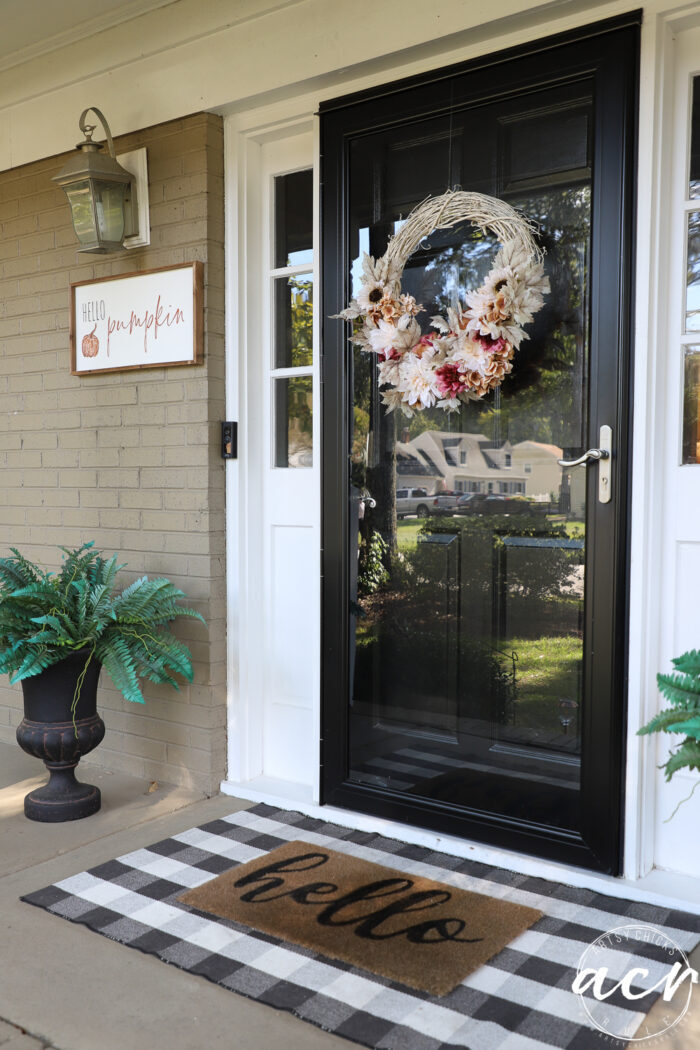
column 468, row 353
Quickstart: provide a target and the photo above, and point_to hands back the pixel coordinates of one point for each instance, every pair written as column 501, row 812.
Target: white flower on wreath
column 469, row 354
column 512, row 293
column 382, row 337
column 401, row 336
column 393, row 399
column 417, row 380
column 389, row 371
column 369, row 296
column 449, row 404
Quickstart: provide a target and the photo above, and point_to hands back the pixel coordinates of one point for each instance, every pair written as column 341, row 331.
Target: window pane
column 695, row 141
column 294, row 219
column 692, row 298
column 691, row 406
column 292, row 406
column 293, row 346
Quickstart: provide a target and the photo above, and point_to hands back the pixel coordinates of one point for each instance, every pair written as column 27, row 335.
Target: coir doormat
column 411, row 929
column 520, row 999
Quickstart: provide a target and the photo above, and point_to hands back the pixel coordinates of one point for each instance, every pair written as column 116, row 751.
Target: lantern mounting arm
column 87, row 129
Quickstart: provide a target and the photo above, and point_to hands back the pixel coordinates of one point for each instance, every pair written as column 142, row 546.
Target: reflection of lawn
column 575, row 530
column 407, row 534
column 547, row 670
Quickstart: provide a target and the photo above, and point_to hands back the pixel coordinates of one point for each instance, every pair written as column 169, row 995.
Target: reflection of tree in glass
column 362, row 382
column 301, row 316
column 299, row 407
column 295, row 415
column 691, row 407
column 693, row 274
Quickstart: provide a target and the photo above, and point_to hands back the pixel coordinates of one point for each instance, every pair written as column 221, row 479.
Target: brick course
column 129, row 460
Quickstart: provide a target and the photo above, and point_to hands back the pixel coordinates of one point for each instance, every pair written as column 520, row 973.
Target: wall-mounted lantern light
column 101, row 193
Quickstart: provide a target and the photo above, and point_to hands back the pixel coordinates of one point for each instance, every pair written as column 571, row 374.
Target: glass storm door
column 474, row 626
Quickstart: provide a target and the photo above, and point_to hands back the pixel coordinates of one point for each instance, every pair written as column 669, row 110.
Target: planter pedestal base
column 48, row 732
column 63, row 798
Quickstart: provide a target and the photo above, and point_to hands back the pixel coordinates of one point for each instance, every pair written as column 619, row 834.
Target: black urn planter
column 48, row 731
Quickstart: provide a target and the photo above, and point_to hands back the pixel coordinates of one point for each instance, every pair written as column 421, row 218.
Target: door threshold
column 666, row 889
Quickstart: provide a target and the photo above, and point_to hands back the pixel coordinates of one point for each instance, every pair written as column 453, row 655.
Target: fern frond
column 61, row 623
column 155, row 652
column 109, row 571
column 18, row 572
column 690, row 727
column 662, row 722
column 34, row 663
column 11, row 657
column 76, row 563
column 80, row 589
column 679, row 688
column 118, row 662
column 41, row 591
column 688, row 663
column 687, row 756
column 682, row 689
column 168, row 653
column 153, row 600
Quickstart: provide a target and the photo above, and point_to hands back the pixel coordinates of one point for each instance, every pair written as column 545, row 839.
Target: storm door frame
column 608, row 52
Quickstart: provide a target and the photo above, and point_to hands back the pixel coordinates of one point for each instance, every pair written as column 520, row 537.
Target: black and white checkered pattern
column 520, row 1000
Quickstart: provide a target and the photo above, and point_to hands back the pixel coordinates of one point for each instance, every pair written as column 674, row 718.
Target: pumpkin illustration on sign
column 91, row 344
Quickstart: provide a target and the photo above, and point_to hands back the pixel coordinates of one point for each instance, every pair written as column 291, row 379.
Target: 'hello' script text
column 351, row 909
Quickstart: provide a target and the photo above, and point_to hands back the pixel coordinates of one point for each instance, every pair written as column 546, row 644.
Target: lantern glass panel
column 80, row 199
column 109, row 206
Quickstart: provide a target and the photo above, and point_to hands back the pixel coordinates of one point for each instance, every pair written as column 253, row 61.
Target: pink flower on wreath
column 450, row 381
column 424, row 343
column 492, row 346
column 390, row 354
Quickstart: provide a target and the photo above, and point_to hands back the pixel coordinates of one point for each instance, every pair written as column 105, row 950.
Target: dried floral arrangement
column 471, row 350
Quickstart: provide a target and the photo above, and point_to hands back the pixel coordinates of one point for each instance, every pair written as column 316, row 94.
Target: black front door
column 474, row 636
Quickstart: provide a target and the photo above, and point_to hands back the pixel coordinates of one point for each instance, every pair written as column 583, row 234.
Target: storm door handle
column 593, row 453
column 604, row 456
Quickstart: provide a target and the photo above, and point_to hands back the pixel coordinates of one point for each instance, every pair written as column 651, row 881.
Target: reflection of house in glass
column 440, row 460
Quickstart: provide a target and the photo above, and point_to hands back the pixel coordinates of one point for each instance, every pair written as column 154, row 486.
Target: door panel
column 473, row 657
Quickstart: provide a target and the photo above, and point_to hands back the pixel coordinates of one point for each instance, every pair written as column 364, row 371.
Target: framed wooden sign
column 153, row 319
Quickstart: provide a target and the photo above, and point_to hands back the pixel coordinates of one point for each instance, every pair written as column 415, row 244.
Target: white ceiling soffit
column 31, row 29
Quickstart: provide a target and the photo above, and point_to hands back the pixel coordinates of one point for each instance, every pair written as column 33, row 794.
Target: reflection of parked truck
column 412, row 501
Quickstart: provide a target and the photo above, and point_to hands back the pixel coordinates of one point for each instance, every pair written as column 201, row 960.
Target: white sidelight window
column 273, row 495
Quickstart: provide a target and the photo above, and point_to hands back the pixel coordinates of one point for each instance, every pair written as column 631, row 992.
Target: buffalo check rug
column 520, row 999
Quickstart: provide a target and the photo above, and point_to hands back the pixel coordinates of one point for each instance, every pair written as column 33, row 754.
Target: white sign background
column 143, row 320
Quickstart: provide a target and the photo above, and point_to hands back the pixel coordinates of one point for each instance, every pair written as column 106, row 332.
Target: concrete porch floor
column 63, row 987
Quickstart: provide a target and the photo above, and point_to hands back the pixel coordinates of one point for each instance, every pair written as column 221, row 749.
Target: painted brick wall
column 129, row 460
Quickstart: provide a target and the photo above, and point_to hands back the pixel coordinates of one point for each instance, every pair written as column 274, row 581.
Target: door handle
column 593, row 453
column 604, row 456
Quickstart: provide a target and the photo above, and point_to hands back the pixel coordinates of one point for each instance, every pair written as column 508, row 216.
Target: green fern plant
column 682, row 689
column 46, row 616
